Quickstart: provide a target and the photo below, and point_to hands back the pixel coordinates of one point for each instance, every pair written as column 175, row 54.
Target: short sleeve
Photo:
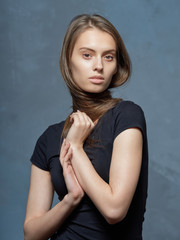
column 39, row 157
column 129, row 115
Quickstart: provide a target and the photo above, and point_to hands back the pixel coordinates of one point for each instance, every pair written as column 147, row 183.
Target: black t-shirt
column 86, row 222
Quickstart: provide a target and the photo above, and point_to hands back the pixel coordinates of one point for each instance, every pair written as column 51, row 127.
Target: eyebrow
column 92, row 50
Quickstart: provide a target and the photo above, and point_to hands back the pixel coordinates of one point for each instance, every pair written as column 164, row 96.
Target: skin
column 113, row 199
column 39, row 212
column 92, row 56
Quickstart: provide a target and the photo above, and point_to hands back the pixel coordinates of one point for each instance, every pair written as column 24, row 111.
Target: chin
column 95, row 89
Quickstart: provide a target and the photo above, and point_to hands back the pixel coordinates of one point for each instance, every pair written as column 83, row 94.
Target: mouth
column 96, row 79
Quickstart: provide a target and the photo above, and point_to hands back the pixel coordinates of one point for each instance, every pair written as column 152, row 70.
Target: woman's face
column 93, row 62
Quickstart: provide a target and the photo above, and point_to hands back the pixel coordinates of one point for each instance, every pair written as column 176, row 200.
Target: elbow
column 115, row 216
column 27, row 232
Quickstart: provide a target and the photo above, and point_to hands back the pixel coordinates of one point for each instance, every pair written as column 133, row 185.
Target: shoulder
column 127, row 114
column 48, row 143
column 128, row 111
column 128, row 107
column 53, row 130
column 50, row 138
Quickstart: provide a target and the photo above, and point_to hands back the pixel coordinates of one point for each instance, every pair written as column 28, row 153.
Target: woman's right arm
column 41, row 221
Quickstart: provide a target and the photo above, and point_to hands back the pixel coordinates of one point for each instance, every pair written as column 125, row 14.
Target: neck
column 93, row 104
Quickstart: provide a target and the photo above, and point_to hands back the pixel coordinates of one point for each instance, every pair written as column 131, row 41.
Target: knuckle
column 88, row 124
column 76, row 124
column 84, row 124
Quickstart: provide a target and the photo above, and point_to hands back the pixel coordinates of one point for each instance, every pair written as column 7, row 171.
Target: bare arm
column 113, row 199
column 41, row 221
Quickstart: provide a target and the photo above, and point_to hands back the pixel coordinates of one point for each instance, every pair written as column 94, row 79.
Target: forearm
column 95, row 187
column 114, row 198
column 44, row 226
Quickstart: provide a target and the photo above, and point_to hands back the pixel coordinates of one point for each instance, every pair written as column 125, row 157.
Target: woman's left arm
column 114, row 198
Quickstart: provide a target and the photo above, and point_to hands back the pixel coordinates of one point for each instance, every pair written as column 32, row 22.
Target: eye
column 86, row 55
column 109, row 57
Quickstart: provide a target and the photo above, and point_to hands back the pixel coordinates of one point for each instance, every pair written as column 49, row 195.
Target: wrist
column 76, row 146
column 72, row 200
column 69, row 201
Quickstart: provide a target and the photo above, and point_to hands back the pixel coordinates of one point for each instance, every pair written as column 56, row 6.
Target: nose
column 98, row 65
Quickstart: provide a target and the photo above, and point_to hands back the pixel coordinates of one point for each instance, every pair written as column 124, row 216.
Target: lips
column 96, row 79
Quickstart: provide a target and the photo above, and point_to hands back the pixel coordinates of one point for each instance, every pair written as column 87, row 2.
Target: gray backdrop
column 33, row 96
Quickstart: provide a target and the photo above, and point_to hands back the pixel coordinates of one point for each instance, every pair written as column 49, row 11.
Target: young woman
column 97, row 159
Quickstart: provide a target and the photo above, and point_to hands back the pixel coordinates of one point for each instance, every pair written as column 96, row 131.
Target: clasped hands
column 80, row 129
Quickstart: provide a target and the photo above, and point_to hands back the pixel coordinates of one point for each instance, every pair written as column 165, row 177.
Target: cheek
column 79, row 71
column 112, row 70
column 115, row 67
column 115, row 70
column 79, row 66
column 75, row 68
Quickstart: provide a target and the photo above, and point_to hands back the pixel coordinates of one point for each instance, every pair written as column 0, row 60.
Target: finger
column 84, row 118
column 88, row 120
column 81, row 116
column 71, row 118
column 75, row 119
column 67, row 158
column 95, row 122
column 64, row 149
column 61, row 150
column 63, row 144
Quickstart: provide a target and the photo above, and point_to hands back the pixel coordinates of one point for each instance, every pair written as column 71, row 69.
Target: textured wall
column 33, row 96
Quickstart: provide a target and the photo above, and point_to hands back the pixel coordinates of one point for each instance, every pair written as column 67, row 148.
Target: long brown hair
column 93, row 104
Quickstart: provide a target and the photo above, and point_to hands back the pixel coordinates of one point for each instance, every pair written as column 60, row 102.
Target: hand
column 82, row 126
column 75, row 191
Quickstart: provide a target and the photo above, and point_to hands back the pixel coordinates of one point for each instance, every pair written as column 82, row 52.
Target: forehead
column 95, row 39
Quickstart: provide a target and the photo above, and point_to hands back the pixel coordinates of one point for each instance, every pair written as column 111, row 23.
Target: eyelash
column 111, row 57
column 87, row 56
